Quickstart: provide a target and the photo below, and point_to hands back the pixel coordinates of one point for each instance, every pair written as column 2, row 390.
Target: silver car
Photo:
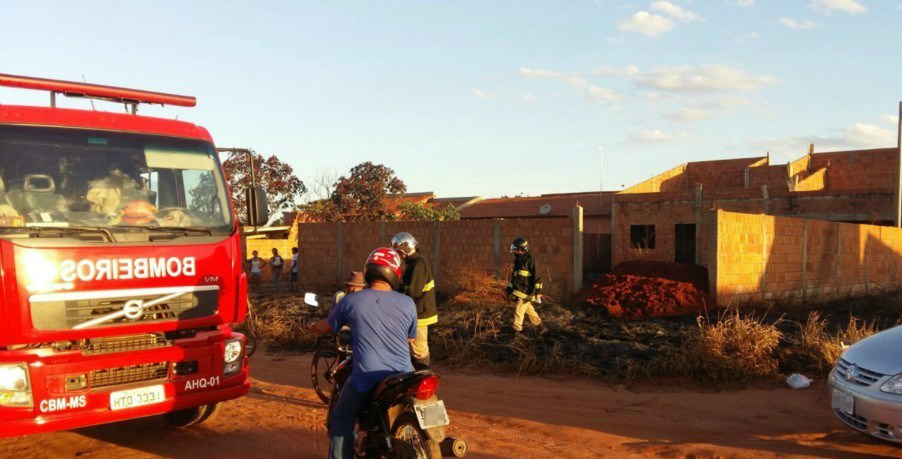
column 866, row 385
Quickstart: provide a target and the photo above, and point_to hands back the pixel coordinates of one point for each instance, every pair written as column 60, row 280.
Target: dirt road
column 502, row 417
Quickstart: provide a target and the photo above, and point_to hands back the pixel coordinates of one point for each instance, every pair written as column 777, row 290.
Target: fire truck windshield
column 59, row 177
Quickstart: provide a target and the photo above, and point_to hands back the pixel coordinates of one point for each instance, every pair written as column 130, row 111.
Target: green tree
column 362, row 194
column 420, row 211
column 283, row 188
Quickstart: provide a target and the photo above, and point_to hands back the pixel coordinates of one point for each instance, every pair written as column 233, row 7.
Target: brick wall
column 450, row 246
column 763, row 257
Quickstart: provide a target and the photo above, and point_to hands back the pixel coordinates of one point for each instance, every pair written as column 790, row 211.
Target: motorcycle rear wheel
column 411, row 442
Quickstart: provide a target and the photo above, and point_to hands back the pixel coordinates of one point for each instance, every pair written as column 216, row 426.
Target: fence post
column 436, row 250
column 577, row 221
column 341, row 259
column 496, row 241
column 804, row 261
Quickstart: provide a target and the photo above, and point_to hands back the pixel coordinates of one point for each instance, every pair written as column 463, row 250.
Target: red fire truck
column 120, row 265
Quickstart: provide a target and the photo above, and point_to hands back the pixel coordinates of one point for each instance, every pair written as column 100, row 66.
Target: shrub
column 733, row 347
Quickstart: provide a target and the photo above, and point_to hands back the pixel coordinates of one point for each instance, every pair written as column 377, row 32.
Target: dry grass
column 737, row 345
column 732, row 347
column 281, row 322
column 818, row 347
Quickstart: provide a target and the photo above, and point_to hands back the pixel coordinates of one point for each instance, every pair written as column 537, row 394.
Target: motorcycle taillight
column 425, row 389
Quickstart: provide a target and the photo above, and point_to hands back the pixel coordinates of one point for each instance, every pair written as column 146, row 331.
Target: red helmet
column 383, row 264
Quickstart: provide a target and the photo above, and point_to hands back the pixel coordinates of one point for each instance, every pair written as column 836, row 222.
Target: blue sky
column 488, row 97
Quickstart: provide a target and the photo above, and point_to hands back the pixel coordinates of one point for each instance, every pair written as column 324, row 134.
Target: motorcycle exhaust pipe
column 454, row 447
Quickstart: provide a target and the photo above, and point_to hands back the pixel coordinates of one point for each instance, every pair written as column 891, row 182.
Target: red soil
column 639, row 298
column 680, row 272
column 639, row 290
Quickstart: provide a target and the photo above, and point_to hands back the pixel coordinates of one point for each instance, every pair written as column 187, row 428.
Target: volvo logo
column 852, row 374
column 133, row 309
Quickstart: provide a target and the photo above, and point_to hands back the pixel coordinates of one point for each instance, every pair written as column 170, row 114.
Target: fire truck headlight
column 232, row 357
column 232, row 350
column 15, row 389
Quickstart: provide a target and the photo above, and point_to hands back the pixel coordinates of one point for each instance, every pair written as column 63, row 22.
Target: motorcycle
column 403, row 418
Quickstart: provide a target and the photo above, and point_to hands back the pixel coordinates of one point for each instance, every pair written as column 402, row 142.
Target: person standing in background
column 419, row 285
column 255, row 266
column 293, row 277
column 275, row 267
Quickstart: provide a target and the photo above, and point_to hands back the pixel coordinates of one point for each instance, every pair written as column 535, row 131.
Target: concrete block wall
column 264, row 247
column 762, row 257
column 450, row 246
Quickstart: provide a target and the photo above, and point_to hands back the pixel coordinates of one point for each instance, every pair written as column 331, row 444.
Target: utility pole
column 899, row 171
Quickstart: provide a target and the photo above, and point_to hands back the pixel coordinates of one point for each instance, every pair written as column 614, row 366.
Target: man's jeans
column 342, row 421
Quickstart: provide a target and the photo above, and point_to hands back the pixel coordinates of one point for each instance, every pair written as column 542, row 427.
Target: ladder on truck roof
column 130, row 97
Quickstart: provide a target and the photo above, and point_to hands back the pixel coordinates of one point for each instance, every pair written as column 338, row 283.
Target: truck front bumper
column 57, row 406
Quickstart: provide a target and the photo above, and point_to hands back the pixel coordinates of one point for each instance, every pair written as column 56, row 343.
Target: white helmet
column 404, row 243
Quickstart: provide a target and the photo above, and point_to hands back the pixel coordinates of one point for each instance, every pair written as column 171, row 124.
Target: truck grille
column 852, row 373
column 128, row 375
column 58, row 311
column 123, row 344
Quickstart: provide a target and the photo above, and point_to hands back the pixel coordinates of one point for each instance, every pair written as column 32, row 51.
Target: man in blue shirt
column 383, row 323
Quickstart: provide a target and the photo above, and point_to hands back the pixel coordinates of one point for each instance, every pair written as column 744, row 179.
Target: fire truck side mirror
column 257, row 210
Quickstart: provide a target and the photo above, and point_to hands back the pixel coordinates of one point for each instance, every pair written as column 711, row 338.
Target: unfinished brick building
column 668, row 217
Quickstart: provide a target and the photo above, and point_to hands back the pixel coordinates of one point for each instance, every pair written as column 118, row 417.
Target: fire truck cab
column 120, row 265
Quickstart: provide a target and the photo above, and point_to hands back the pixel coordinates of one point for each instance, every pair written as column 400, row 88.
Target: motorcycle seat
column 395, row 380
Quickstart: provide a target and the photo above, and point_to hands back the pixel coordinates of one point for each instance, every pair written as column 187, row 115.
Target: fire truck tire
column 191, row 416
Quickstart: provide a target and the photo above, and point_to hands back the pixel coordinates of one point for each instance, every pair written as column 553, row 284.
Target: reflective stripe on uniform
column 427, row 321
column 521, row 295
column 538, row 285
column 429, row 286
column 524, row 273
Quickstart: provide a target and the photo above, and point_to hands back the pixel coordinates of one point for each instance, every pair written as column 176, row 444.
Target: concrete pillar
column 713, row 254
column 766, row 196
column 436, row 250
column 577, row 220
column 339, row 276
column 804, row 260
column 698, row 221
column 496, row 241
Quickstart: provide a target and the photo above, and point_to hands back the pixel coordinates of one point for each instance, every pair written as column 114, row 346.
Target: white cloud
column 869, row 135
column 649, row 136
column 797, row 25
column 844, row 6
column 572, row 78
column 597, row 93
column 705, row 78
column 646, row 23
column 859, row 135
column 480, row 93
column 674, row 11
column 743, row 3
column 528, row 96
column 890, row 119
column 685, row 115
column 604, row 71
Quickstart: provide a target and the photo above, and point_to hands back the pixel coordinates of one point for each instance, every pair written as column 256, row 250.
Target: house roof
column 459, row 202
column 547, row 205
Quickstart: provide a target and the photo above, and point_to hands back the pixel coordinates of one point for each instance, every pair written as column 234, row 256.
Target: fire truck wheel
column 191, row 416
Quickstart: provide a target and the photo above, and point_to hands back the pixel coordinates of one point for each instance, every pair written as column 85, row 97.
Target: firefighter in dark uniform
column 417, row 283
column 525, row 286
